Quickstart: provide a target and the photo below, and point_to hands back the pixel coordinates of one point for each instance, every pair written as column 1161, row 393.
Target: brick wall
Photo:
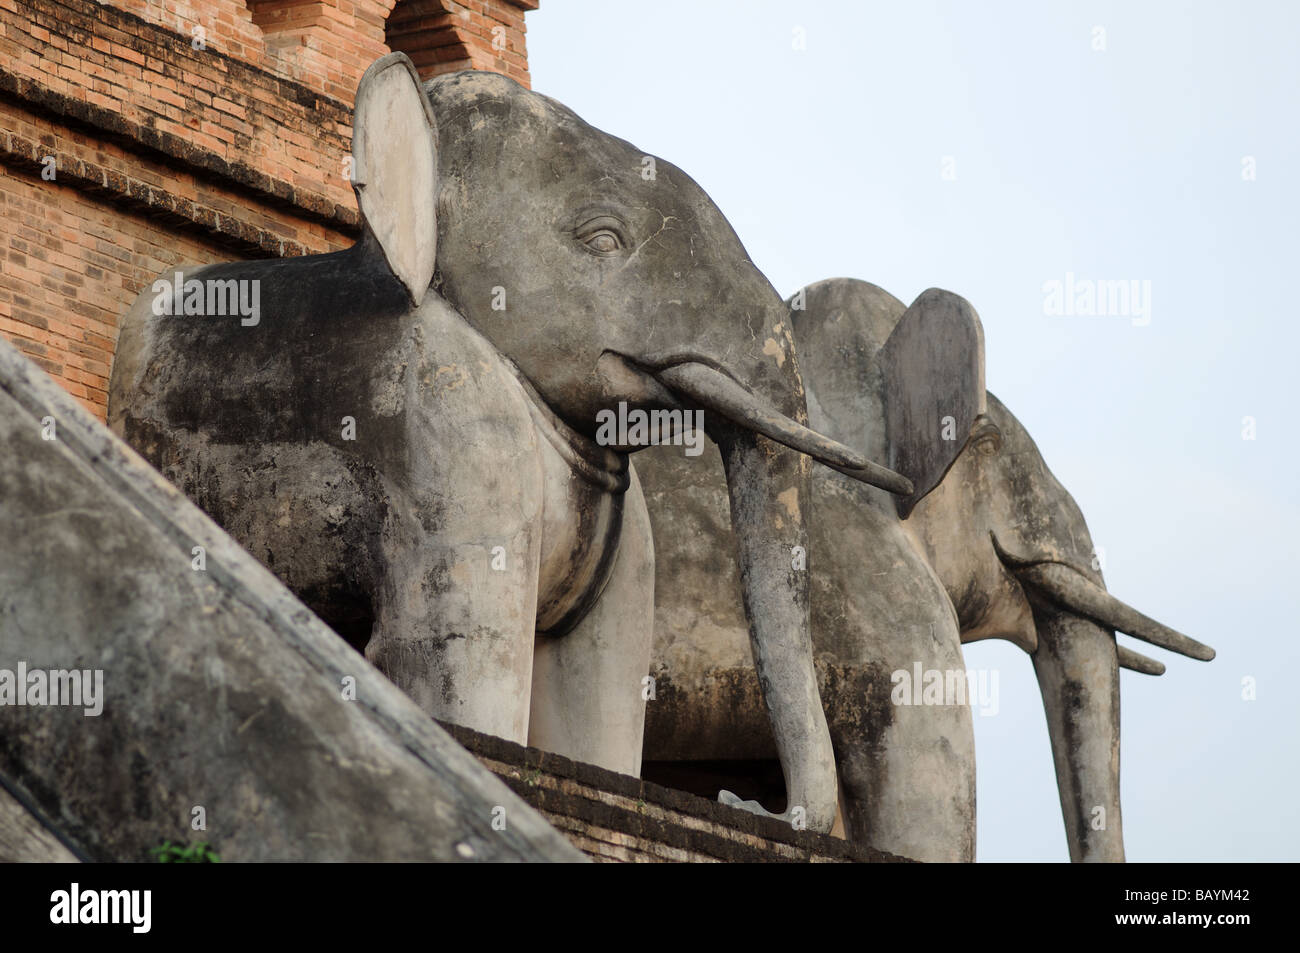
column 486, row 36
column 138, row 135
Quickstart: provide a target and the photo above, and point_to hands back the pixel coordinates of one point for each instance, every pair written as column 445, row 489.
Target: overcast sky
column 990, row 149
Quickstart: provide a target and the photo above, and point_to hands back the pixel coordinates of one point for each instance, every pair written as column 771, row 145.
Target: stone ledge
column 216, row 687
column 615, row 817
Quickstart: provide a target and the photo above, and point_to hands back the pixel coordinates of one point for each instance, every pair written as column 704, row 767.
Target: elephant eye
column 985, row 437
column 602, row 236
column 604, row 242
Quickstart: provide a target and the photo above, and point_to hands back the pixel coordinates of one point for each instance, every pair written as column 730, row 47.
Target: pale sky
column 989, row 149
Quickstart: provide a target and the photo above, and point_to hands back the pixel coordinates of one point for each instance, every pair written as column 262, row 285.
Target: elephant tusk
column 1085, row 597
column 1136, row 662
column 715, row 391
column 874, row 474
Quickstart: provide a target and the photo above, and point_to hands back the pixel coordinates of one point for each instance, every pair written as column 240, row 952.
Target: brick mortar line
column 173, row 149
column 24, row 155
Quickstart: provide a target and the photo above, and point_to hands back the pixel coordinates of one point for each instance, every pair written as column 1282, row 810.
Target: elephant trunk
column 768, row 485
column 1078, row 673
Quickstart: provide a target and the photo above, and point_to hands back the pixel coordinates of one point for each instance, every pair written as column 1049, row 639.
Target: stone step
column 615, row 818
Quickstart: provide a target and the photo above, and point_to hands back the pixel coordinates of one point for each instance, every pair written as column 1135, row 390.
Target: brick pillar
column 442, row 36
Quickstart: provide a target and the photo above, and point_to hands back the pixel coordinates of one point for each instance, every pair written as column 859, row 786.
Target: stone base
column 616, row 818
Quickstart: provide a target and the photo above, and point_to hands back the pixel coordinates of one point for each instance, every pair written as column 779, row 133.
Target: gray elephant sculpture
column 988, row 545
column 407, row 432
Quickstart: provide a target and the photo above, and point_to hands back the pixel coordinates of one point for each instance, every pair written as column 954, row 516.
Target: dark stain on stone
column 141, row 778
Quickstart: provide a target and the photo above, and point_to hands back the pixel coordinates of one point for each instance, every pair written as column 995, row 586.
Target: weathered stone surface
column 25, row 839
column 221, row 690
column 906, row 772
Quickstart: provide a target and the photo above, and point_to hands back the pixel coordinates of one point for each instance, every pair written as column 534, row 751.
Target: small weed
column 200, row 853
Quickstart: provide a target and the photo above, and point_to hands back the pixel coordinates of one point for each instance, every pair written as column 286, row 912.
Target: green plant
column 200, row 853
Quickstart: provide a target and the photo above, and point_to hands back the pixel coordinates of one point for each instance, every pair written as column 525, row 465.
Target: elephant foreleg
column 1078, row 674
column 588, row 699
column 455, row 625
column 462, row 540
column 906, row 761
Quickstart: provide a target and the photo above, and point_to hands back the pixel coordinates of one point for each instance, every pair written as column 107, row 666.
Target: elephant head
column 612, row 283
column 603, row 278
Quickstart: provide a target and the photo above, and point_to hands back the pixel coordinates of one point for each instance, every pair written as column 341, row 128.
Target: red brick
column 77, row 251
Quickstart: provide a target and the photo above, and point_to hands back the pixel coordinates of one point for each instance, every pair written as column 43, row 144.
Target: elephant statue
column 988, row 544
column 411, row 432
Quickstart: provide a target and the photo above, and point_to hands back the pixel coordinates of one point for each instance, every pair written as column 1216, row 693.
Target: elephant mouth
column 1069, row 588
column 705, row 383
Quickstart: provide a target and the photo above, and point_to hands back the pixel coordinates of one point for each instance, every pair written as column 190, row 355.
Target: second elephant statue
column 989, row 545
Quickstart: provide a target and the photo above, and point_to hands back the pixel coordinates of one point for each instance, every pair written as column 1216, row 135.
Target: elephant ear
column 395, row 168
column 932, row 377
